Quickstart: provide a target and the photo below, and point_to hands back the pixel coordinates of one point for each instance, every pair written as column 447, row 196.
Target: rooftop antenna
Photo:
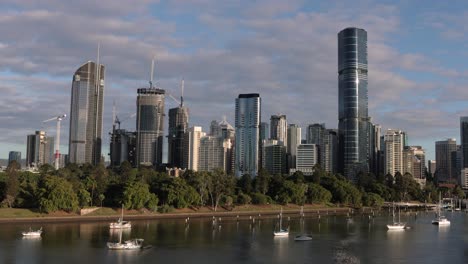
column 152, row 72
column 113, row 113
column 182, row 94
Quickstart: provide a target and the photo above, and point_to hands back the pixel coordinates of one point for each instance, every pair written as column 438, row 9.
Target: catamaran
column 396, row 225
column 120, row 224
column 440, row 220
column 33, row 233
column 281, row 231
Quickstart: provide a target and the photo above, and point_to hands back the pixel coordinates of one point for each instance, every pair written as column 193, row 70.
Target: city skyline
column 414, row 88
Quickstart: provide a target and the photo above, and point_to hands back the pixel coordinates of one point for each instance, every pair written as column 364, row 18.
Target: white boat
column 33, row 233
column 136, row 243
column 120, row 224
column 281, row 232
column 396, row 225
column 440, row 220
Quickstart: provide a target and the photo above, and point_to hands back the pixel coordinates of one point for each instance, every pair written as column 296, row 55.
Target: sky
column 284, row 50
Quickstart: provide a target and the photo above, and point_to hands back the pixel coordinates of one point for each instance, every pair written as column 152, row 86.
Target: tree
column 245, row 183
column 318, row 194
column 372, row 199
column 221, row 184
column 57, row 194
column 137, row 195
column 12, row 184
column 262, row 181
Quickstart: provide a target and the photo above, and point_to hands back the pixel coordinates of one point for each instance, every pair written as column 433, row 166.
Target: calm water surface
column 335, row 240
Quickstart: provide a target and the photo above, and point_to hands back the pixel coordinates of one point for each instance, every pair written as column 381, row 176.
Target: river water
column 335, row 240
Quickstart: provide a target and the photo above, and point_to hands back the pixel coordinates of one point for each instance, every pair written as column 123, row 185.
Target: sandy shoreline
column 225, row 215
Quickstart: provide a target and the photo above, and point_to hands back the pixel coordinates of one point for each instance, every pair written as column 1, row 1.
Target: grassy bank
column 10, row 215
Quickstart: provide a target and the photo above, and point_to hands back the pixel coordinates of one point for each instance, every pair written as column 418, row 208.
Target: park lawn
column 19, row 213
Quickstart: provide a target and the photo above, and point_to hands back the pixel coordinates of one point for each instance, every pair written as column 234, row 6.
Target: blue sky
column 284, row 50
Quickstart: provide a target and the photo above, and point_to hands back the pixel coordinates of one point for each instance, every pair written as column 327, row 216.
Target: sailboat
column 302, row 236
column 281, row 231
column 120, row 224
column 136, row 243
column 440, row 220
column 396, row 225
column 32, row 233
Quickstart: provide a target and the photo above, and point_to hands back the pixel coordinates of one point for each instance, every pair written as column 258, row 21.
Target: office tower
column 122, row 146
column 307, row 157
column 464, row 140
column 178, row 124
column 87, row 95
column 14, row 156
column 264, row 131
column 414, row 161
column 192, row 147
column 431, row 167
column 279, row 128
column 274, row 158
column 248, row 118
column 352, row 101
column 374, row 148
column 446, row 166
column 294, row 140
column 394, row 145
column 215, row 153
column 39, row 149
column 150, row 126
column 314, row 133
column 328, row 151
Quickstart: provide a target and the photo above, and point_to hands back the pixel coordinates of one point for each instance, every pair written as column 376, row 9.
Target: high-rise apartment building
column 374, row 148
column 315, row 133
column 150, row 126
column 39, row 149
column 14, row 156
column 328, row 151
column 87, row 96
column 394, row 145
column 414, row 161
column 446, row 164
column 215, row 153
column 294, row 140
column 178, row 124
column 431, row 167
column 192, row 147
column 247, row 144
column 279, row 129
column 274, row 157
column 353, row 101
column 264, row 131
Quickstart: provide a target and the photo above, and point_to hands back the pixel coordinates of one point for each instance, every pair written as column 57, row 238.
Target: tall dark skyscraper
column 464, row 140
column 178, row 124
column 86, row 114
column 248, row 118
column 352, row 101
column 150, row 126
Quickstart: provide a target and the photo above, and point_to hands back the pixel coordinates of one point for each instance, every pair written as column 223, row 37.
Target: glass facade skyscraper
column 247, row 144
column 353, row 101
column 178, row 124
column 150, row 126
column 86, row 114
column 464, row 140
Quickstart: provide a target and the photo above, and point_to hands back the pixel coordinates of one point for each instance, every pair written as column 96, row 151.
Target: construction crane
column 57, row 141
column 181, row 102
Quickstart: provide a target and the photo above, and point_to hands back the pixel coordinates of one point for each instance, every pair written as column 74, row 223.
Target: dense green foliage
column 75, row 186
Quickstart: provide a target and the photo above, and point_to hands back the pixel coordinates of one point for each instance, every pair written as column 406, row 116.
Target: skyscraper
column 464, row 140
column 274, row 157
column 279, row 129
column 215, row 153
column 39, row 149
column 306, row 158
column 445, row 151
column 314, row 134
column 150, row 126
column 247, row 123
column 294, row 140
column 122, row 146
column 328, row 151
column 14, row 155
column 264, row 131
column 86, row 114
column 394, row 145
column 178, row 124
column 192, row 147
column 414, row 161
column 353, row 101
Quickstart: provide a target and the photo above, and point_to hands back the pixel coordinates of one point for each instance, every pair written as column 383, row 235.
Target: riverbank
column 246, row 212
